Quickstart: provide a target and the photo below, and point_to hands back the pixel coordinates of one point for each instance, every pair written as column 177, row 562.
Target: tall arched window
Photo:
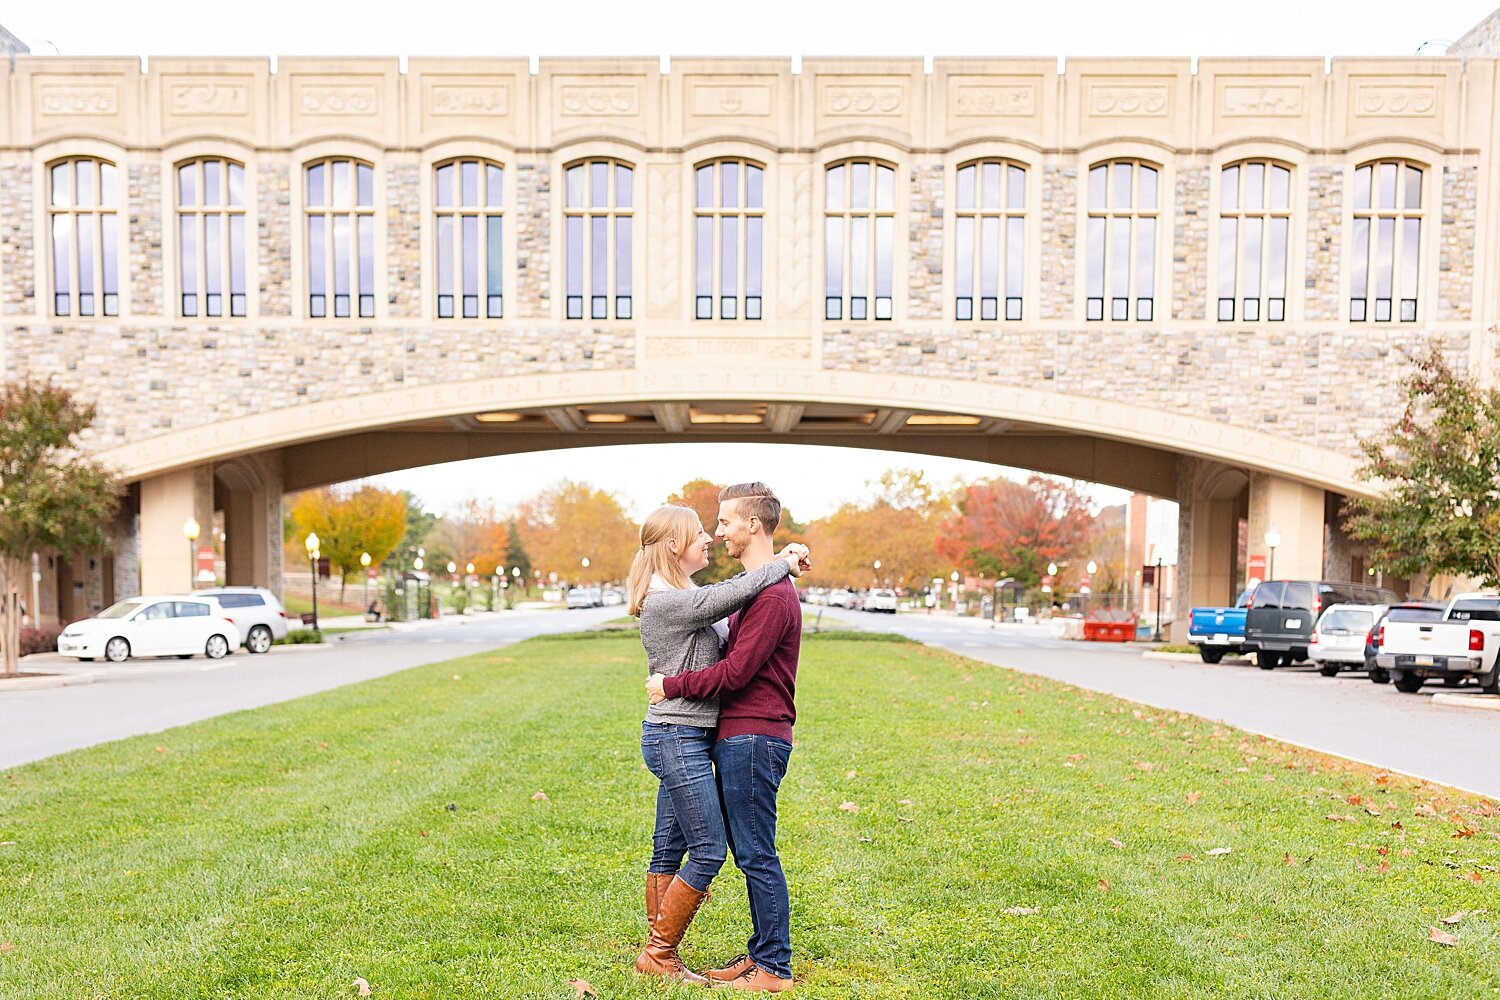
column 1255, row 217
column 211, row 237
column 468, row 197
column 859, row 232
column 1122, row 240
column 83, row 209
column 728, row 220
column 990, row 239
column 597, row 213
column 1387, row 241
column 340, row 238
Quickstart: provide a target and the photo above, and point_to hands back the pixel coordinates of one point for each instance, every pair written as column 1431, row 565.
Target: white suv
column 257, row 613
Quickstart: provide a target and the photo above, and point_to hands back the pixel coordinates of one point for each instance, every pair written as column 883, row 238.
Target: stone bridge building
column 1195, row 281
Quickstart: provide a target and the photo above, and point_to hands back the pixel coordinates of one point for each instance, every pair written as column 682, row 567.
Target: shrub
column 300, row 637
column 39, row 639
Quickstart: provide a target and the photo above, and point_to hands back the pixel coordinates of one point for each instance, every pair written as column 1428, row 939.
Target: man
column 756, row 687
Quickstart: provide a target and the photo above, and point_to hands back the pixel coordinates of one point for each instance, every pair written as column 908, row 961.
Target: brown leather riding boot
column 674, row 912
column 656, row 886
column 733, row 970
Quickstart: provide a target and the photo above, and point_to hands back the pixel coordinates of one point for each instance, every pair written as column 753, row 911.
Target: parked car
column 1279, row 620
column 1218, row 631
column 1338, row 639
column 585, row 597
column 1407, row 611
column 839, row 598
column 1463, row 644
column 256, row 611
column 612, row 597
column 169, row 625
column 881, row 599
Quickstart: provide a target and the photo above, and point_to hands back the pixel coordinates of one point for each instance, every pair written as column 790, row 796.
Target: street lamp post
column 1156, row 585
column 313, row 555
column 1273, row 539
column 1088, row 586
column 190, row 530
column 364, row 561
column 469, row 587
column 954, row 595
column 877, row 572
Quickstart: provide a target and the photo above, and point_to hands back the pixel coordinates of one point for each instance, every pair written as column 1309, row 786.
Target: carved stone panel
column 1127, row 100
column 336, row 100
column 70, row 99
column 1248, row 99
column 190, row 98
column 666, row 237
column 729, row 100
column 1397, row 100
column 597, row 100
column 467, row 100
column 992, row 100
column 862, row 101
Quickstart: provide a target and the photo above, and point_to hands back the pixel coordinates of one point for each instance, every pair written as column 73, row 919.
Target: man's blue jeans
column 750, row 771
column 689, row 819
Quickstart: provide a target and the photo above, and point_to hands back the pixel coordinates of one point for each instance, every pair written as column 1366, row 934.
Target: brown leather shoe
column 674, row 912
column 656, row 886
column 733, row 970
column 757, row 980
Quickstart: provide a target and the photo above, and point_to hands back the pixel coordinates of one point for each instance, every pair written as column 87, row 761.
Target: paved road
column 148, row 696
column 1347, row 715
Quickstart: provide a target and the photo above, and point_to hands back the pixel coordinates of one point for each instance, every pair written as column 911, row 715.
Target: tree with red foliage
column 1009, row 529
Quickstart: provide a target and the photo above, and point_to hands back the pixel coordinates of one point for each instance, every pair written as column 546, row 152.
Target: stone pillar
column 167, row 501
column 1210, row 503
column 125, row 546
column 1296, row 511
column 249, row 493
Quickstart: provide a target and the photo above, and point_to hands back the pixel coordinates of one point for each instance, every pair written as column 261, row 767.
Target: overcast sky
column 811, row 481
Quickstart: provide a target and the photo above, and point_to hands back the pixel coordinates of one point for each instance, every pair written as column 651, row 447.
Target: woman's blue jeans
column 689, row 818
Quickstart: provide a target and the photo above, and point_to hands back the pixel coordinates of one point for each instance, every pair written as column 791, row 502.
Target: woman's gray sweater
column 677, row 631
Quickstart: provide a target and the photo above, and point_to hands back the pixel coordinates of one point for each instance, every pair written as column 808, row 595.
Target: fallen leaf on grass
column 1383, row 778
column 1023, row 911
column 1288, row 860
column 421, row 833
column 1465, row 833
column 904, row 819
column 1339, row 819
column 1382, row 850
column 1145, row 765
column 1425, row 809
column 1359, row 866
column 457, row 676
column 848, row 807
column 903, row 802
column 539, row 797
column 852, row 775
column 1354, row 800
column 1454, row 918
column 7, row 843
column 583, row 988
column 1184, row 857
column 1474, row 877
column 361, row 987
column 1117, row 844
column 1372, row 810
column 1220, row 850
column 1383, row 867
column 7, row 946
column 866, row 840
column 1193, row 797
column 1075, row 757
column 161, row 749
column 1442, row 937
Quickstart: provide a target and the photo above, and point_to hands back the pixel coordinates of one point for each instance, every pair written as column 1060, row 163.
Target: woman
column 681, row 630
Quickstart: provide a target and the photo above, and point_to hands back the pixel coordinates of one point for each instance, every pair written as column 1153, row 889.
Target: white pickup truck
column 1465, row 643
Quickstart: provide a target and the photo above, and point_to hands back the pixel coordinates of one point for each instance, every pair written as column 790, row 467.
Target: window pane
column 471, row 254
column 1098, row 180
column 1145, row 261
column 885, row 189
column 1120, row 198
column 730, row 186
column 989, row 254
column 108, row 188
column 575, row 254
column 494, row 255
column 213, row 182
column 341, row 247
column 1252, row 258
column 444, row 186
column 343, row 193
column 213, row 255
column 575, row 186
column 445, row 254
column 755, row 185
column 468, row 183
column 1228, row 246
column 1276, row 275
column 1096, row 258
column 1360, row 282
column 62, row 243
column 833, row 258
column 108, row 247
column 704, row 284
column 624, row 188
column 705, row 186
column 990, row 193
column 1148, row 189
column 317, row 255
column 84, row 182
column 1015, row 188
column 752, row 258
column 885, row 255
column 859, row 256
column 1229, row 189
column 859, row 185
column 966, row 188
column 1119, row 257
column 494, row 186
column 1362, row 187
column 187, row 250
column 1281, row 189
column 1255, row 187
column 187, row 185
column 87, row 232
column 1411, row 242
column 237, row 255
column 1015, row 256
column 835, row 197
column 729, row 256
column 60, row 197
column 317, row 185
column 1413, row 188
column 624, row 262
column 598, row 184
column 1387, row 192
column 598, row 255
column 366, row 175
column 963, row 278
column 1385, row 245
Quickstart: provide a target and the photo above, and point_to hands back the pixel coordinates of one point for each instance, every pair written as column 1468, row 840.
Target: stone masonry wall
column 274, row 238
column 1456, row 243
column 17, row 259
column 1325, row 215
column 144, row 212
column 925, row 291
column 533, row 240
column 1190, row 245
column 1059, row 226
column 403, row 215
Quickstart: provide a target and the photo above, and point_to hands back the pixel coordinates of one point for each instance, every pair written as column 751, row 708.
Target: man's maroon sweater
column 756, row 682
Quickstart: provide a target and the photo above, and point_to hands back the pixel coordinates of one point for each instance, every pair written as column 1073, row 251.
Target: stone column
column 125, row 550
column 249, row 491
column 1210, row 503
column 1296, row 511
column 167, row 501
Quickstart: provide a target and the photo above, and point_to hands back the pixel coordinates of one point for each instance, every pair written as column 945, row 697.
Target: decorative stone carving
column 744, row 346
column 208, row 97
column 1261, row 101
column 724, row 101
column 797, row 274
column 468, row 100
column 862, row 101
column 1403, row 101
column 666, row 250
column 1012, row 100
column 77, row 99
column 594, row 101
column 338, row 100
column 1112, row 101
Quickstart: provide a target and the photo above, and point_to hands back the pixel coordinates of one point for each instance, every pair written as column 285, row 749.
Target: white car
column 1338, row 639
column 613, row 597
column 881, row 599
column 171, row 625
column 585, row 597
column 257, row 612
column 839, row 598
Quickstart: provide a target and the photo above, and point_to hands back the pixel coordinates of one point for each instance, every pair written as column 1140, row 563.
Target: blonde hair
column 656, row 557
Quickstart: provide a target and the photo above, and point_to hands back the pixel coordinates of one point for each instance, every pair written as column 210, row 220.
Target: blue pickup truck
column 1216, row 631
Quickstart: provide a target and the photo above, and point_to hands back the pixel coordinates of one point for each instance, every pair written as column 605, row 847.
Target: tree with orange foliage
column 350, row 523
column 1008, row 529
column 569, row 522
column 896, row 526
column 475, row 533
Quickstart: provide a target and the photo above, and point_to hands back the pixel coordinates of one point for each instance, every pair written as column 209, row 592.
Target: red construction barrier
column 1109, row 626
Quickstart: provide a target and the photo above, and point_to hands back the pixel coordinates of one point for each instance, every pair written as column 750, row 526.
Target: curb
column 1191, row 657
column 1484, row 702
column 37, row 683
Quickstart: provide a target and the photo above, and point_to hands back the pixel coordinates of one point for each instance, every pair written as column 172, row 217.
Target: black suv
column 1282, row 613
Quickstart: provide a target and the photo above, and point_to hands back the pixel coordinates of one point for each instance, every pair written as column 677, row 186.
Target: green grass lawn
column 391, row 830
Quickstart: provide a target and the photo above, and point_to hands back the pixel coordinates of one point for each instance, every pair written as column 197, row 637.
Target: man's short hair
column 754, row 500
